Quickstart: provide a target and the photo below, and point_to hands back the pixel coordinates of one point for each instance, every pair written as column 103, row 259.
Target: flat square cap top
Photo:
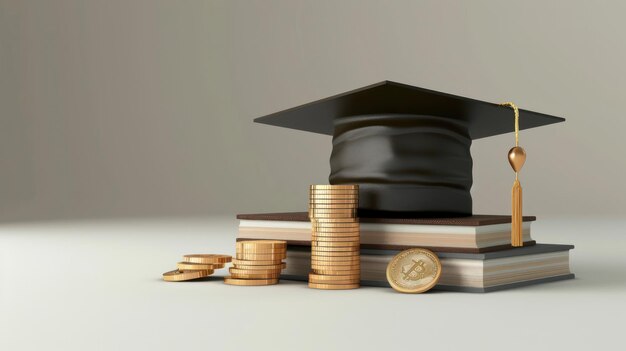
column 484, row 119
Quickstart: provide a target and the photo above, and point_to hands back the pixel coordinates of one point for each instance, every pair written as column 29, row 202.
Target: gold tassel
column 516, row 218
column 517, row 157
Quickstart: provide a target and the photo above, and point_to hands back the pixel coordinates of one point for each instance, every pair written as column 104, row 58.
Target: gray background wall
column 144, row 108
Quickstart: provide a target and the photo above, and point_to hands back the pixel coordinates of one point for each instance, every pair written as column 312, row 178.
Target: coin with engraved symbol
column 414, row 271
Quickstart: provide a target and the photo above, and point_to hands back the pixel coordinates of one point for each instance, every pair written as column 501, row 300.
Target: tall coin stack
column 258, row 262
column 335, row 255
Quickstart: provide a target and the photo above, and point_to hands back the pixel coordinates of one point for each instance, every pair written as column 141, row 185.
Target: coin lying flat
column 207, row 258
column 313, row 191
column 334, row 221
column 235, row 270
column 336, row 234
column 261, row 251
column 351, row 202
column 255, row 276
column 262, row 268
column 190, row 266
column 260, row 257
column 335, row 256
column 316, row 248
column 414, row 271
column 272, row 262
column 319, row 278
column 332, row 271
column 315, row 195
column 333, row 286
column 267, row 244
column 331, row 215
column 337, row 222
column 341, row 239
column 332, row 243
column 178, row 276
column 335, row 263
column 333, row 186
column 336, row 231
column 317, row 258
column 249, row 282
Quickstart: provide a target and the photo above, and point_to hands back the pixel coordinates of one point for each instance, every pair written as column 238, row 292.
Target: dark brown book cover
column 469, row 221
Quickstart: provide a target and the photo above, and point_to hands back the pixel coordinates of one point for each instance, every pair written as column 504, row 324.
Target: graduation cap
column 408, row 148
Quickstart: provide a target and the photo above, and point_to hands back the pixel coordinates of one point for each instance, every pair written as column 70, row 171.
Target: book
column 466, row 272
column 471, row 234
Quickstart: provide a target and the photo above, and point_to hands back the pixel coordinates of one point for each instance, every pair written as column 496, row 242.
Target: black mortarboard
column 408, row 148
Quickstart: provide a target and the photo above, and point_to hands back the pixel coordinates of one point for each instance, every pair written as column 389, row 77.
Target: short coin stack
column 196, row 266
column 335, row 255
column 258, row 262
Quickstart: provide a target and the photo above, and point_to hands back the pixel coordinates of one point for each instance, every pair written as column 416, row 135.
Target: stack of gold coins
column 335, row 255
column 196, row 266
column 258, row 262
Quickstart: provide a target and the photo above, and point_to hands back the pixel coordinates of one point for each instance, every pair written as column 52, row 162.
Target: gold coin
column 261, row 251
column 337, row 211
column 317, row 214
column 342, row 256
column 342, row 261
column 334, row 186
column 348, row 224
column 265, row 267
column 334, row 207
column 352, row 225
column 207, row 258
column 255, row 276
column 336, row 267
column 414, row 271
column 330, row 215
column 236, row 270
column 330, row 206
column 250, row 282
column 316, row 201
column 316, row 248
column 188, row 266
column 335, row 222
column 354, row 239
column 262, row 244
column 238, row 262
column 330, row 278
column 345, row 195
column 333, row 286
column 320, row 198
column 333, row 190
column 261, row 257
column 335, row 263
column 352, row 267
column 328, row 236
column 336, row 282
column 354, row 272
column 335, row 256
column 336, row 234
column 339, row 230
column 178, row 276
column 334, row 244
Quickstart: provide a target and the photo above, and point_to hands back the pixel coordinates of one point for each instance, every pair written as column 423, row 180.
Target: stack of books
column 475, row 251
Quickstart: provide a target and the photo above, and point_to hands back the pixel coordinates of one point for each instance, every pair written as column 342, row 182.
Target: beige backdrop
column 141, row 108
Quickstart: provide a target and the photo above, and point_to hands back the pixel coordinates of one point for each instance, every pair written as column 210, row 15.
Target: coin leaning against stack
column 335, row 241
column 195, row 266
column 257, row 262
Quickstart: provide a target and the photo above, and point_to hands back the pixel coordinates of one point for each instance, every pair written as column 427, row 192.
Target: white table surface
column 96, row 285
